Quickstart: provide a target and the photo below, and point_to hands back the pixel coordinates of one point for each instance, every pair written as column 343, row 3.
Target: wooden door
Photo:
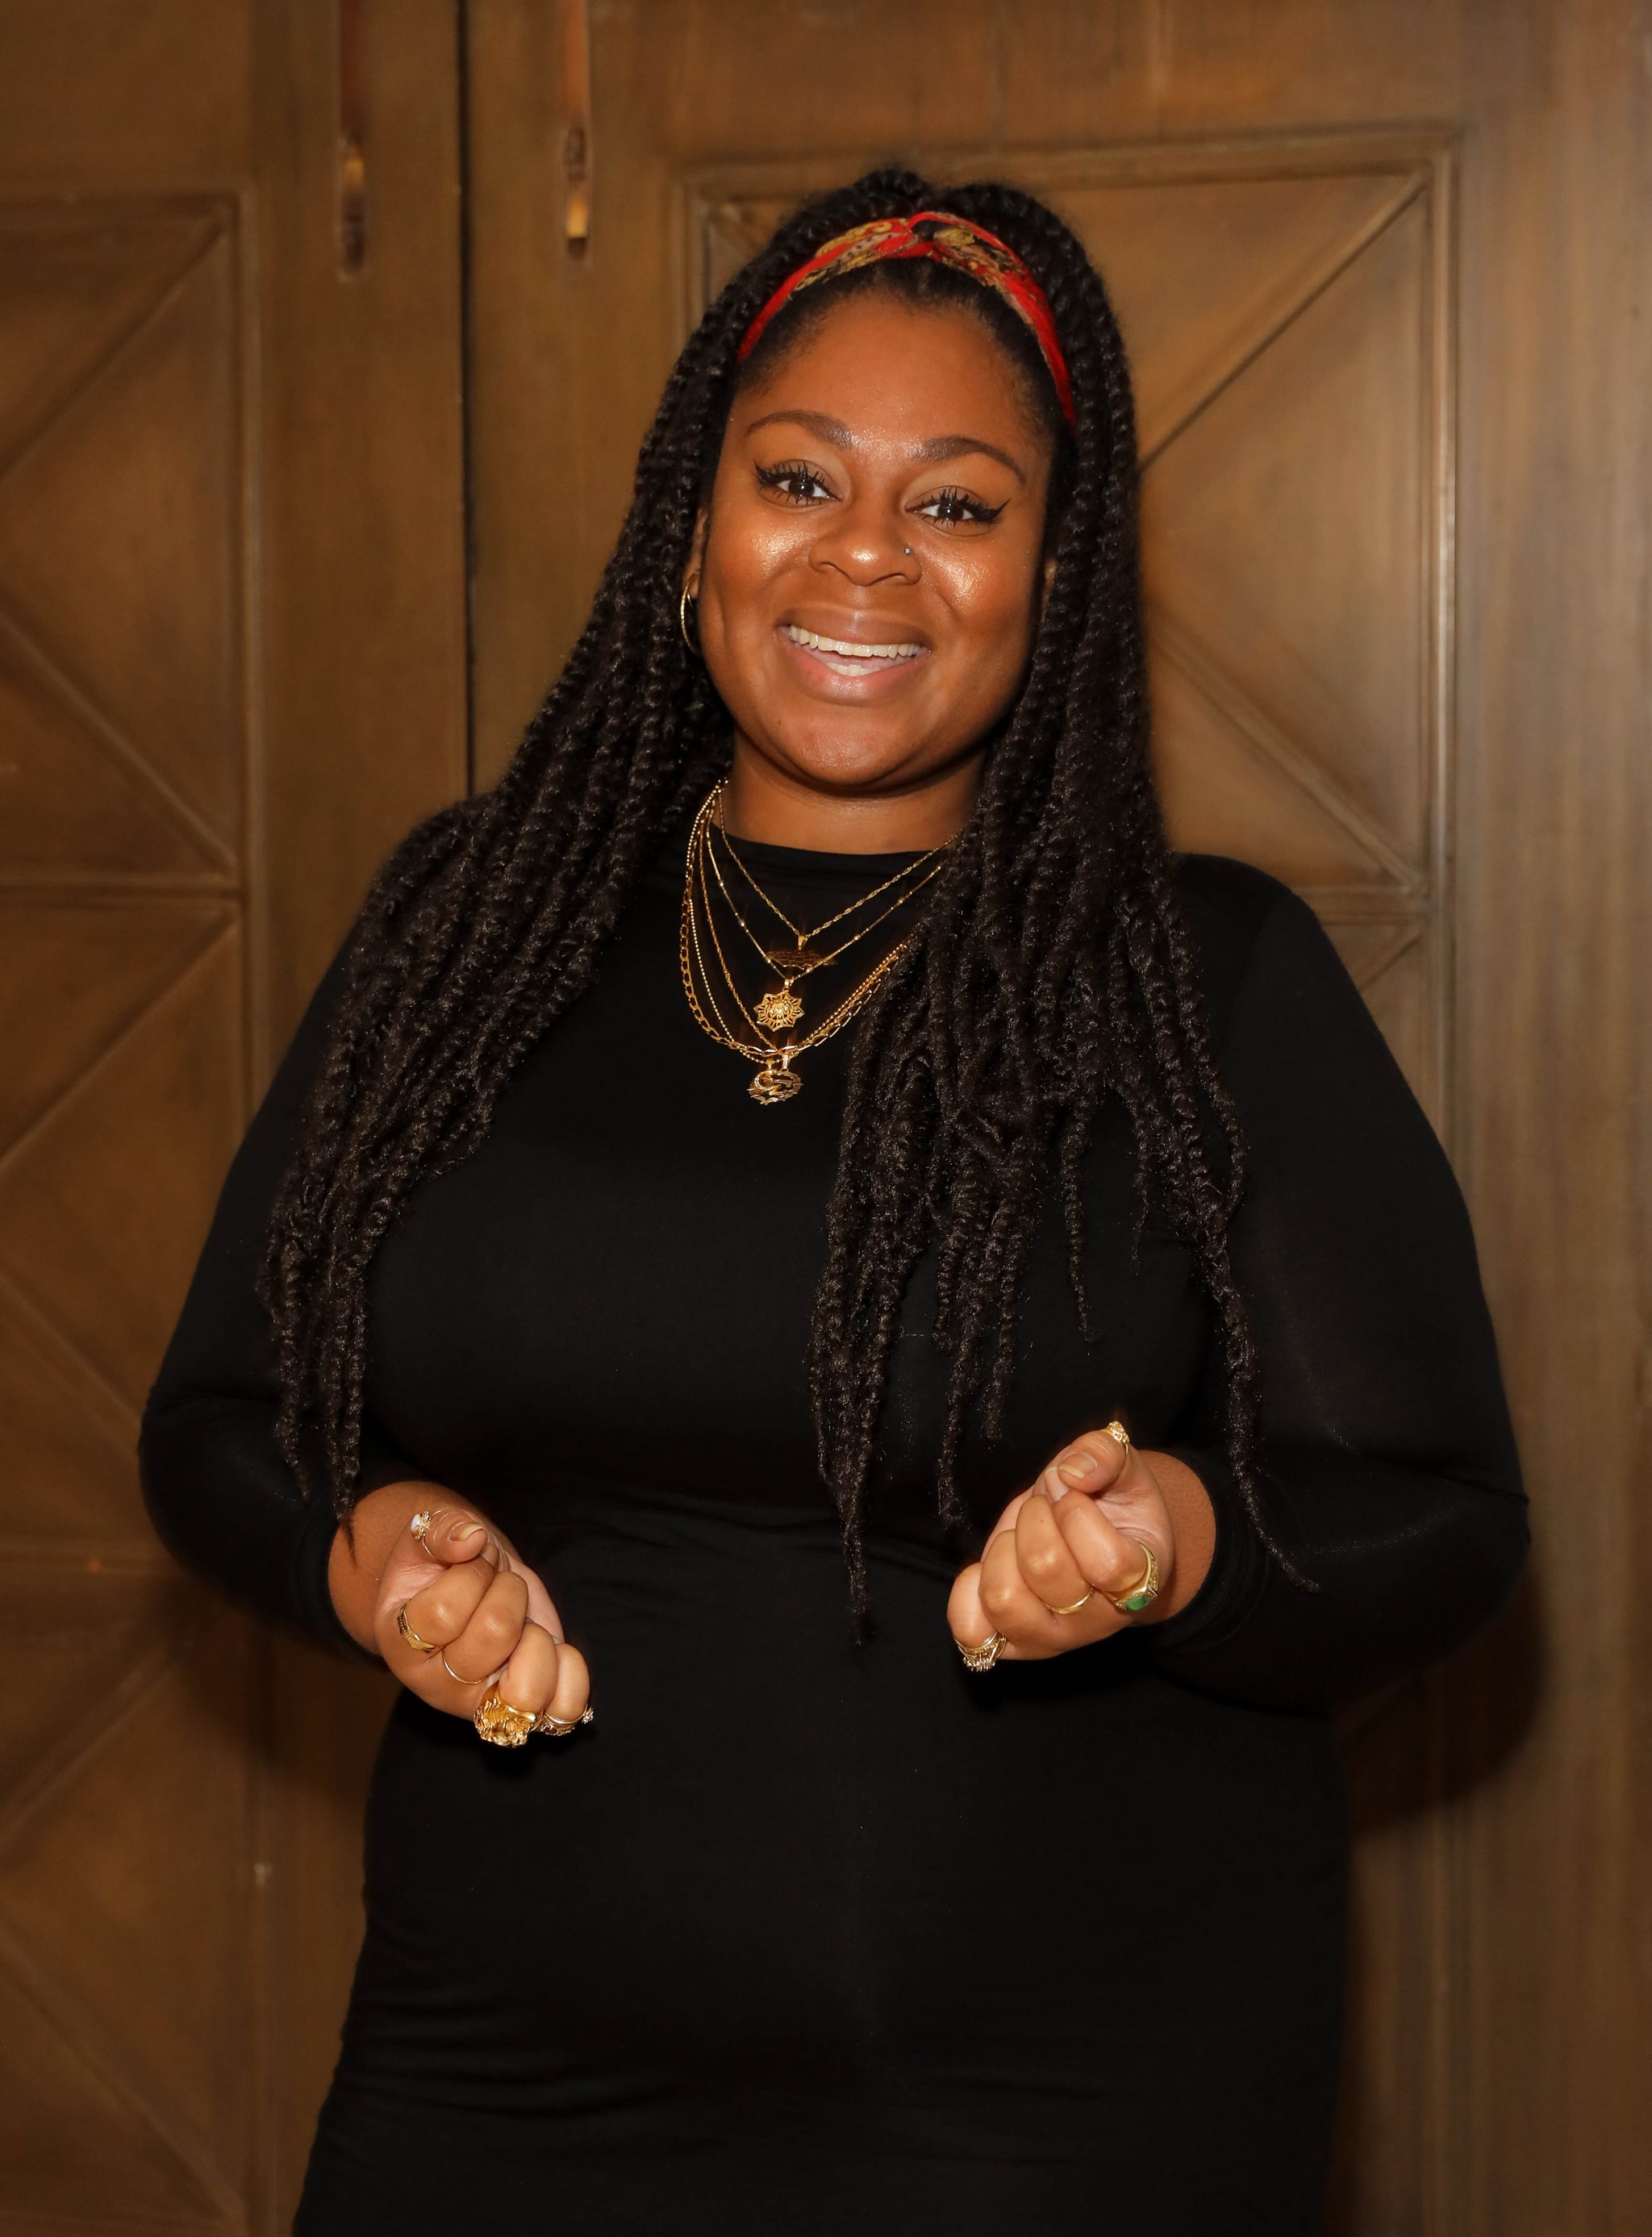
column 204, row 651
column 1394, row 420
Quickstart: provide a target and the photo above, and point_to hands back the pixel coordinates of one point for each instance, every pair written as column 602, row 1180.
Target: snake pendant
column 775, row 1081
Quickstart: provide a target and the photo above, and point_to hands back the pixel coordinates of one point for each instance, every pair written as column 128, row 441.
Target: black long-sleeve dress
column 805, row 1936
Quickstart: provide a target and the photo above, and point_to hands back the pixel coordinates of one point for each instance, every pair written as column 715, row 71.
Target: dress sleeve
column 219, row 1494
column 1389, row 1470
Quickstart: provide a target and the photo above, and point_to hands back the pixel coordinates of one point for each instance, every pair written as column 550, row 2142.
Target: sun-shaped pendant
column 779, row 1011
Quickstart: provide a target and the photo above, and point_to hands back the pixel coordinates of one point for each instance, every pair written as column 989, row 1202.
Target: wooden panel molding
column 123, row 773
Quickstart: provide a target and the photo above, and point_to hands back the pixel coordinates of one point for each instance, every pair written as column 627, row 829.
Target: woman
column 952, row 1307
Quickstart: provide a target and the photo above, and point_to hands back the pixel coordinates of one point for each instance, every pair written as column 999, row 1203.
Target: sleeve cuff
column 1235, row 1580
column 311, row 1592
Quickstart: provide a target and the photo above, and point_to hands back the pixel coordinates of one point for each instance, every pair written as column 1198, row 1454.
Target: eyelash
column 791, row 469
column 957, row 504
column 960, row 507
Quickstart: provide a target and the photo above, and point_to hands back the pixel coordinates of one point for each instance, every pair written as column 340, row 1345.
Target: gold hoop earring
column 683, row 604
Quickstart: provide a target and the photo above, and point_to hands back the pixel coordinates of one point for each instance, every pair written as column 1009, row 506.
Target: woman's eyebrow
column 932, row 453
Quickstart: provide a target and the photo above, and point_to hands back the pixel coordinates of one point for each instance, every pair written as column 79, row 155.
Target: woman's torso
column 837, row 1902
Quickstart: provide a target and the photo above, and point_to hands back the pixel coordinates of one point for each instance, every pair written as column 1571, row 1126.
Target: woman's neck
column 769, row 805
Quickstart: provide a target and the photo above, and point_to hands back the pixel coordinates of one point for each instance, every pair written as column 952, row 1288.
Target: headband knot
column 942, row 238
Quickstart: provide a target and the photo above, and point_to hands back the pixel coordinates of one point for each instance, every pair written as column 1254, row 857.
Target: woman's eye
column 794, row 482
column 953, row 508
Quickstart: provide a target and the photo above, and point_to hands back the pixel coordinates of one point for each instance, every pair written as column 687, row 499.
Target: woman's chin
column 843, row 768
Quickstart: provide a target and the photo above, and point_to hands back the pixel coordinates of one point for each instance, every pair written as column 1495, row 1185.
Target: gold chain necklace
column 802, row 958
column 780, row 1008
column 775, row 1081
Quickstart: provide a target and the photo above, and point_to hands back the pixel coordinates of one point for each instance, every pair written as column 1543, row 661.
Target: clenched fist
column 454, row 1610
column 1062, row 1553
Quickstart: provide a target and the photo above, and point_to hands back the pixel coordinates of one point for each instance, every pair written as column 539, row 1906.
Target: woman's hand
column 477, row 1615
column 1078, row 1536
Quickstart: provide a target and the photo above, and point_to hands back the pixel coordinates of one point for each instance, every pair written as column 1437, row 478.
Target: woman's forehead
column 916, row 373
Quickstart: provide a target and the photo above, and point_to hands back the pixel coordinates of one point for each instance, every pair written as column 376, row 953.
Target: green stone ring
column 1144, row 1591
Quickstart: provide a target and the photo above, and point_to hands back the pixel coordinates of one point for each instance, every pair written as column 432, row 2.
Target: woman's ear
column 696, row 553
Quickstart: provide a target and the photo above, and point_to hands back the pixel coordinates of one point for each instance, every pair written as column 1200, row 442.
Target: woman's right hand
column 483, row 1616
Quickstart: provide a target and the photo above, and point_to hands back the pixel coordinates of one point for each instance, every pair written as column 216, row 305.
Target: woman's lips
column 866, row 667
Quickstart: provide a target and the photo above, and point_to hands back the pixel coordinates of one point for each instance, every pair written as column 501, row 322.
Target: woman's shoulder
column 1267, row 964
column 1229, row 906
column 1228, row 901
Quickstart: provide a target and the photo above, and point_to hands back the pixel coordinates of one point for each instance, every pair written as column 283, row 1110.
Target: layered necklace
column 769, row 1039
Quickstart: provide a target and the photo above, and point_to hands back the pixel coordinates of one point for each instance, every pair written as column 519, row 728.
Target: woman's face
column 870, row 572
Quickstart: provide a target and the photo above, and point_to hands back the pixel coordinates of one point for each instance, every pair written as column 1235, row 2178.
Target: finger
column 1013, row 1609
column 1109, row 1558
column 966, row 1619
column 541, row 1606
column 528, row 1681
column 964, row 1612
column 1093, row 1463
column 572, row 1697
column 1045, row 1560
column 438, row 1612
column 1007, row 1521
column 458, row 1534
column 489, row 1638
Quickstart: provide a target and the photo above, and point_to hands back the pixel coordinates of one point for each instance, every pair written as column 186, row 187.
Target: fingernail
column 1072, row 1467
column 469, row 1530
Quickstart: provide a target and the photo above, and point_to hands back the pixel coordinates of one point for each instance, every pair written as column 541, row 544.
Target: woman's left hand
column 1077, row 1537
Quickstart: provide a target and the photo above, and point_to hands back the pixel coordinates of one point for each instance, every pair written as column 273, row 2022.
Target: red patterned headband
column 945, row 239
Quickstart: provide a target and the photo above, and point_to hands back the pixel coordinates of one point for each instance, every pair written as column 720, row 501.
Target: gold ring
column 421, row 1646
column 455, row 1676
column 1074, row 1607
column 558, row 1728
column 1144, row 1591
column 981, row 1658
column 1119, row 1434
column 500, row 1724
column 420, row 1525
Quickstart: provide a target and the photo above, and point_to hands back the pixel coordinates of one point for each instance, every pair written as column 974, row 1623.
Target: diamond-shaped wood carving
column 125, row 1762
column 114, row 568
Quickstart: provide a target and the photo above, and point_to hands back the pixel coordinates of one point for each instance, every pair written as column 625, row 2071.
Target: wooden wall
column 290, row 539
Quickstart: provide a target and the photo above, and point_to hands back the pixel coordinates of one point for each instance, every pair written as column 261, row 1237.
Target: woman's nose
column 865, row 546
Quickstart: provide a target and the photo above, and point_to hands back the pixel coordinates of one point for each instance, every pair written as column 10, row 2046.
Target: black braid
column 1053, row 967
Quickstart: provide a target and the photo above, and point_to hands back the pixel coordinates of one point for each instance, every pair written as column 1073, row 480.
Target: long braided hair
column 1053, row 967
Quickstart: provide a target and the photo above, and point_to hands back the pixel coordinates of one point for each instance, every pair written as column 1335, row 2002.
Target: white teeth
column 854, row 651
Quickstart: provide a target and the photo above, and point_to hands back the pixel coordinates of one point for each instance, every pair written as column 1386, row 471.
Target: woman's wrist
column 1193, row 1530
column 357, row 1559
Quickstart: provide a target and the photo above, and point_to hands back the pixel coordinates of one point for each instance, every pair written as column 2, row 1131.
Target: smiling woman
column 867, row 588
column 969, row 1472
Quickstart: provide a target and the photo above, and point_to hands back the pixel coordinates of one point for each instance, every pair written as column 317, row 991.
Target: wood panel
column 122, row 768
column 365, row 730
column 231, row 671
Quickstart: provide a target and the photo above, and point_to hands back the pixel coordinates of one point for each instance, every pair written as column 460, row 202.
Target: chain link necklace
column 782, row 1008
column 779, row 1010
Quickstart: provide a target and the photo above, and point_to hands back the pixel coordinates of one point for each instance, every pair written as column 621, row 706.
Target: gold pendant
column 790, row 962
column 775, row 1082
column 779, row 1011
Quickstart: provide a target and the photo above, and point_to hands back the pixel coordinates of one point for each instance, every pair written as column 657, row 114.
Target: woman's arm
column 453, row 1612
column 1390, row 1475
column 218, row 1491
